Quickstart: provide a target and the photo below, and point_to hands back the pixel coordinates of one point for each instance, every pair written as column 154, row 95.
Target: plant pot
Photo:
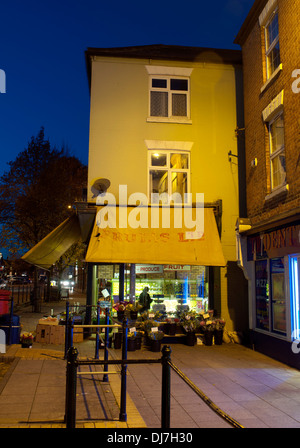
column 190, row 338
column 118, row 340
column 131, row 345
column 133, row 315
column 208, row 337
column 218, row 337
column 138, row 343
column 121, row 315
column 155, row 345
column 26, row 345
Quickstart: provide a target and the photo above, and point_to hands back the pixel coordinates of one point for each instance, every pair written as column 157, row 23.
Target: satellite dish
column 100, row 186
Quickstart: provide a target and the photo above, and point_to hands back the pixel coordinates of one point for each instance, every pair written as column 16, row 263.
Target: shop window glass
column 278, row 295
column 262, row 295
column 294, row 293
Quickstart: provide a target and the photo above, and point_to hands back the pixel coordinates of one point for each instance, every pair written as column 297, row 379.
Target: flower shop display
column 27, row 340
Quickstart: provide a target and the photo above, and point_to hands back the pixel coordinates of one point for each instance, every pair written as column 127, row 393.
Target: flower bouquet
column 155, row 337
column 27, row 340
column 189, row 321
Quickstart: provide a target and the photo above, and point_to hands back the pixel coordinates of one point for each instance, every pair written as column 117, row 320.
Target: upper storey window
column 169, row 94
column 169, row 97
column 272, row 45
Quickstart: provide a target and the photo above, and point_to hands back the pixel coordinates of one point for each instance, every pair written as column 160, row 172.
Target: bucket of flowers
column 155, row 336
column 218, row 331
column 27, row 340
column 207, row 327
column 120, row 307
column 171, row 325
column 190, row 323
column 132, row 310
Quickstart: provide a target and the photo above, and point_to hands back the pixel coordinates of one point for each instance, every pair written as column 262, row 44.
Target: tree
column 36, row 194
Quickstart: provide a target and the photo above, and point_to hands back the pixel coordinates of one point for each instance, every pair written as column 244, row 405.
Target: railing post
column 166, row 387
column 97, row 331
column 105, row 367
column 123, row 415
column 67, row 346
column 71, row 384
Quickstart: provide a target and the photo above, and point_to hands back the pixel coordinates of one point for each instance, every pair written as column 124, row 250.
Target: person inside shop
column 145, row 299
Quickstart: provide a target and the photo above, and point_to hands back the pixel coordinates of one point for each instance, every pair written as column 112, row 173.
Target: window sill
column 278, row 191
column 274, row 74
column 179, row 120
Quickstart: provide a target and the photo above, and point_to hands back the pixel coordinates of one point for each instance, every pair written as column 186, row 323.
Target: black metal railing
column 165, row 360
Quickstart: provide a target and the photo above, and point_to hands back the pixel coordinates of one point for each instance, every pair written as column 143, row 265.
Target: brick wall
column 256, row 135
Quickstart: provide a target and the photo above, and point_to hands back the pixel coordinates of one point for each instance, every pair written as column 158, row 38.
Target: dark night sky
column 42, row 46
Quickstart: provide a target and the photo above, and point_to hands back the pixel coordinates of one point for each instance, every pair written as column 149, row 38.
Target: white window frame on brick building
column 272, row 45
column 268, row 20
column 274, row 119
column 169, row 94
column 277, row 152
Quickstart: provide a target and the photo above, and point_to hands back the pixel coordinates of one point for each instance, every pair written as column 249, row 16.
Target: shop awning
column 55, row 244
column 161, row 245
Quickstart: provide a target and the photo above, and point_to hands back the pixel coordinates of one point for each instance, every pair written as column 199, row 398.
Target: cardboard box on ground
column 49, row 332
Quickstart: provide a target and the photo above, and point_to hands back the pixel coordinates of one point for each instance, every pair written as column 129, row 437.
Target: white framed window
column 272, row 44
column 169, row 97
column 277, row 152
column 169, row 174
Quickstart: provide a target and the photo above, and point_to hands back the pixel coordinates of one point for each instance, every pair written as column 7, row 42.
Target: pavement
column 235, row 384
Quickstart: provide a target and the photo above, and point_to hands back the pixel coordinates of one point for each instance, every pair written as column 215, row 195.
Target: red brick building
column 270, row 243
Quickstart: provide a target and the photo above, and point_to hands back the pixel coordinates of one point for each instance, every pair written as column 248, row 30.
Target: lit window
column 272, row 45
column 169, row 97
column 277, row 154
column 169, row 173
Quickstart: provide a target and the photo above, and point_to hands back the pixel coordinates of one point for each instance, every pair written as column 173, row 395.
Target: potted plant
column 218, row 331
column 155, row 337
column 27, row 340
column 189, row 322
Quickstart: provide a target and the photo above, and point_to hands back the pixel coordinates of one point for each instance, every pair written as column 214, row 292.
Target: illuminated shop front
column 170, row 286
column 273, row 265
column 174, row 263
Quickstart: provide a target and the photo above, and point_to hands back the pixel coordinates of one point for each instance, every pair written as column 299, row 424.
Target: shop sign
column 276, row 243
column 148, row 269
column 176, row 267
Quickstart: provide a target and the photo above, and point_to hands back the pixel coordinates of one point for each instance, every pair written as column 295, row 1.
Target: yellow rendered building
column 165, row 120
